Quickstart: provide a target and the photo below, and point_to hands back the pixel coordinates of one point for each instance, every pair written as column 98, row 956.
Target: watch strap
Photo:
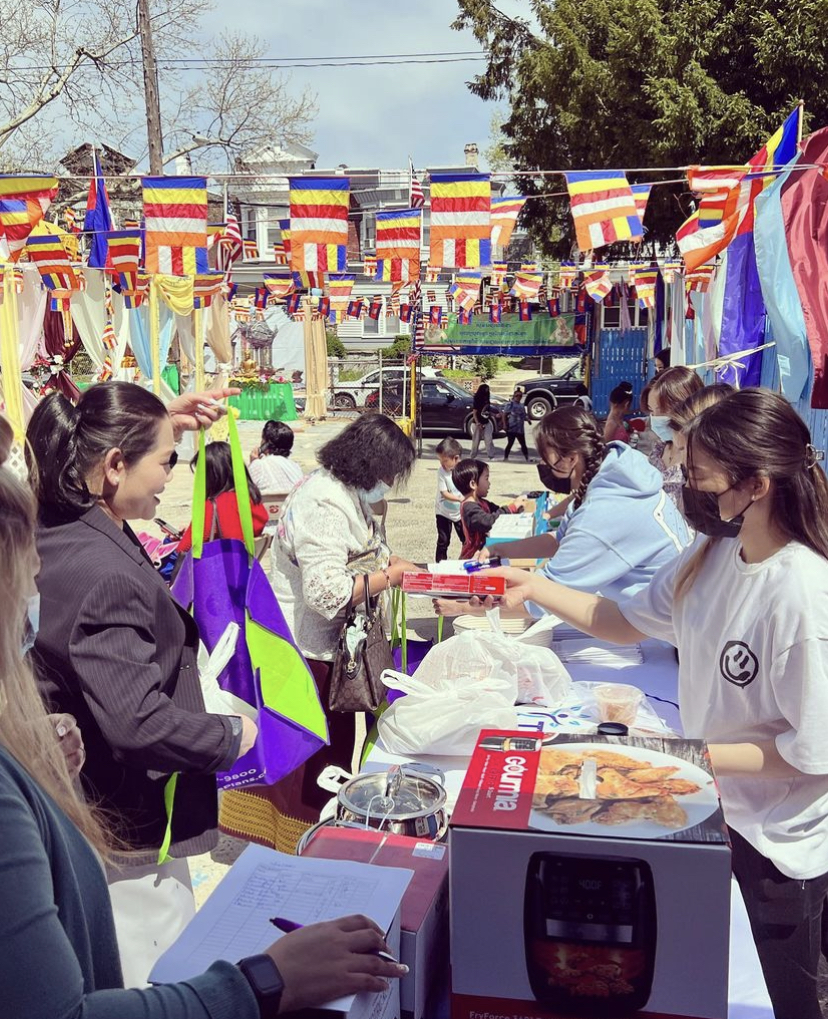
column 266, row 982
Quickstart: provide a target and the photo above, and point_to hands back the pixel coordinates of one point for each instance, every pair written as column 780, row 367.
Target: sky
column 375, row 116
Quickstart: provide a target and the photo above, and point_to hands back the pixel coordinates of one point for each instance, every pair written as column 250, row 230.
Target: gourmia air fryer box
column 590, row 876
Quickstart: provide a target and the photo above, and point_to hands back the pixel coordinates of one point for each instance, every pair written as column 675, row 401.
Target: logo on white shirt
column 738, row 664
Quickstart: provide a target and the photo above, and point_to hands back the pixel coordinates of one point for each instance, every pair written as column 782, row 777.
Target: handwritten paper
column 235, row 921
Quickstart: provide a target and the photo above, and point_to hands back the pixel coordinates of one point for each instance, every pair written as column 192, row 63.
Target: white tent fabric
column 89, row 315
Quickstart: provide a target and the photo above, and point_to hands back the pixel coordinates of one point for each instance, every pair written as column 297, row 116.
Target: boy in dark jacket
column 477, row 514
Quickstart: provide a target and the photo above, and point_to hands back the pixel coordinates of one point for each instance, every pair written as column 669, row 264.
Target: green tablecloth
column 274, row 404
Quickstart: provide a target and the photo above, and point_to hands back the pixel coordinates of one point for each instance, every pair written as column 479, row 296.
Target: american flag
column 229, row 246
column 416, row 196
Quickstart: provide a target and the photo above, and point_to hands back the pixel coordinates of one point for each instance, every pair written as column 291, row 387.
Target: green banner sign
column 509, row 336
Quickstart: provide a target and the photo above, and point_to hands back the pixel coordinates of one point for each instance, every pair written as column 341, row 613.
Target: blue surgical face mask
column 375, row 494
column 32, row 623
column 660, row 424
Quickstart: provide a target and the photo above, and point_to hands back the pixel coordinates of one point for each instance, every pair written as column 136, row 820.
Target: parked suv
column 349, row 395
column 548, row 392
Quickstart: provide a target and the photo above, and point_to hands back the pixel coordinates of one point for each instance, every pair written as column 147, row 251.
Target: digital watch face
column 590, row 933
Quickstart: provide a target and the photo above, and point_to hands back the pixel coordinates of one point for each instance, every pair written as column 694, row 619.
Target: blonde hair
column 25, row 730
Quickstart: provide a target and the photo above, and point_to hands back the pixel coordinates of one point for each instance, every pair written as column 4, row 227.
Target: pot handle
column 333, row 778
column 422, row 769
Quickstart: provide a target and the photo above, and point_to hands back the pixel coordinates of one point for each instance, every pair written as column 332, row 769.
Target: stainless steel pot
column 402, row 800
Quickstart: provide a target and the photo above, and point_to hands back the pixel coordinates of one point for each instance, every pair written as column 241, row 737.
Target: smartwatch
column 265, row 981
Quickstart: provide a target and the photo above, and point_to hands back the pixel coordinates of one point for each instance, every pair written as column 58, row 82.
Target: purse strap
column 239, row 483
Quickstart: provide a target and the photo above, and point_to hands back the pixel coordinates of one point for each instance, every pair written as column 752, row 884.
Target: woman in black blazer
column 115, row 650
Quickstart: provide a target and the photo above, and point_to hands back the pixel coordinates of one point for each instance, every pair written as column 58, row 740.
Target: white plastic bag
column 467, row 683
column 536, row 673
column 446, row 719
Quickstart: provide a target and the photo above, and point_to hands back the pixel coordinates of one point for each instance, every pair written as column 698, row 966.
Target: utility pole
column 156, row 143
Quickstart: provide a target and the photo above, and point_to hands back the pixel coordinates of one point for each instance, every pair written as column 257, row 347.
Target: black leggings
column 789, row 927
column 510, row 441
column 444, row 526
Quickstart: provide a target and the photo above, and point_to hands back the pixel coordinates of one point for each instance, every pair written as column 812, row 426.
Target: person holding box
column 745, row 606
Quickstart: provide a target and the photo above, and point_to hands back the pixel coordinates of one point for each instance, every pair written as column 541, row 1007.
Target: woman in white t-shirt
column 271, row 470
column 747, row 607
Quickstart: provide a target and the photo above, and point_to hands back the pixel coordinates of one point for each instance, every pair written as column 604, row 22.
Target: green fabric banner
column 509, row 336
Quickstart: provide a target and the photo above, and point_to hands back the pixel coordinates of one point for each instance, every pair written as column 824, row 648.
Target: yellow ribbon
column 10, row 354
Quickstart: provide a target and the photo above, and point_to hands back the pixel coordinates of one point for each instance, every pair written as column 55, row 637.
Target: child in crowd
column 514, row 421
column 447, row 505
column 477, row 514
column 221, row 514
column 615, row 428
column 667, row 392
column 270, row 468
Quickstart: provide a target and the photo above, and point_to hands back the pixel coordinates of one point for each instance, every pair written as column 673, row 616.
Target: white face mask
column 660, row 424
column 32, row 623
column 375, row 494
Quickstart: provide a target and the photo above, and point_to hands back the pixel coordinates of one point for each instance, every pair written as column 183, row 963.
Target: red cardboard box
column 450, row 585
column 424, row 910
column 590, row 876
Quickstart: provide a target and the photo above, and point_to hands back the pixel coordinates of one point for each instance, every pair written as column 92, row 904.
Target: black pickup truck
column 548, row 392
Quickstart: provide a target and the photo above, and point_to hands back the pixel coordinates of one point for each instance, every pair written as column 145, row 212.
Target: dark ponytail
column 65, row 444
column 570, row 430
column 756, row 433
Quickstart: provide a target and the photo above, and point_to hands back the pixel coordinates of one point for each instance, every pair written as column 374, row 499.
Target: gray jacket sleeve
column 40, row 975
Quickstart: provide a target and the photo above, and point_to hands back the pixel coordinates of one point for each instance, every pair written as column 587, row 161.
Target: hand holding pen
column 327, row 960
column 289, row 926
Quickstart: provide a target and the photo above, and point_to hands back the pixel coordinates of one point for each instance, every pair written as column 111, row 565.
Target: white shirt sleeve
column 320, row 546
column 651, row 609
column 799, row 676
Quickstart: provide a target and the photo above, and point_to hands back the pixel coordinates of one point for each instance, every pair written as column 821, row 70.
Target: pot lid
column 396, row 797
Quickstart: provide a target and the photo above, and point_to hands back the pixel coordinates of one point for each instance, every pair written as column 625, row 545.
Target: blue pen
column 472, row 565
column 289, row 926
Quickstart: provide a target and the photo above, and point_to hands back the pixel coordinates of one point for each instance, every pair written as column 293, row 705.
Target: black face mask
column 701, row 511
column 549, row 479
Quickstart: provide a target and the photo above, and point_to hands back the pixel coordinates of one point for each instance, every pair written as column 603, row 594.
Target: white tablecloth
column 657, row 677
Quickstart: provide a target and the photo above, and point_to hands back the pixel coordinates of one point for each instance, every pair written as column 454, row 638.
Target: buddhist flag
column 250, row 251
column 603, row 208
column 205, row 287
column 398, row 234
column 641, row 195
column 700, row 278
column 466, row 290
column 644, row 280
column 567, row 275
column 498, row 275
column 279, row 284
column 175, row 225
column 284, row 230
column 23, row 204
column 724, row 214
column 461, row 220
column 598, row 284
column 505, row 212
column 369, row 266
column 527, row 285
column 397, row 270
column 319, row 223
column 339, row 289
column 124, row 257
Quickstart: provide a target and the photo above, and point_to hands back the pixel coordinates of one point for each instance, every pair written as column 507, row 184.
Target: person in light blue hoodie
column 620, row 527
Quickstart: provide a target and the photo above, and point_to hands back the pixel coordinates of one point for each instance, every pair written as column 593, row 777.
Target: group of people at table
column 727, row 563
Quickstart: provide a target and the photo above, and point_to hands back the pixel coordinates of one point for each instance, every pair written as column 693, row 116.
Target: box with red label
column 590, row 876
column 451, row 585
column 424, row 909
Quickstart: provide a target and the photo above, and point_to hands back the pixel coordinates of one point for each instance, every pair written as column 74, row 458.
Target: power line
column 282, row 63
